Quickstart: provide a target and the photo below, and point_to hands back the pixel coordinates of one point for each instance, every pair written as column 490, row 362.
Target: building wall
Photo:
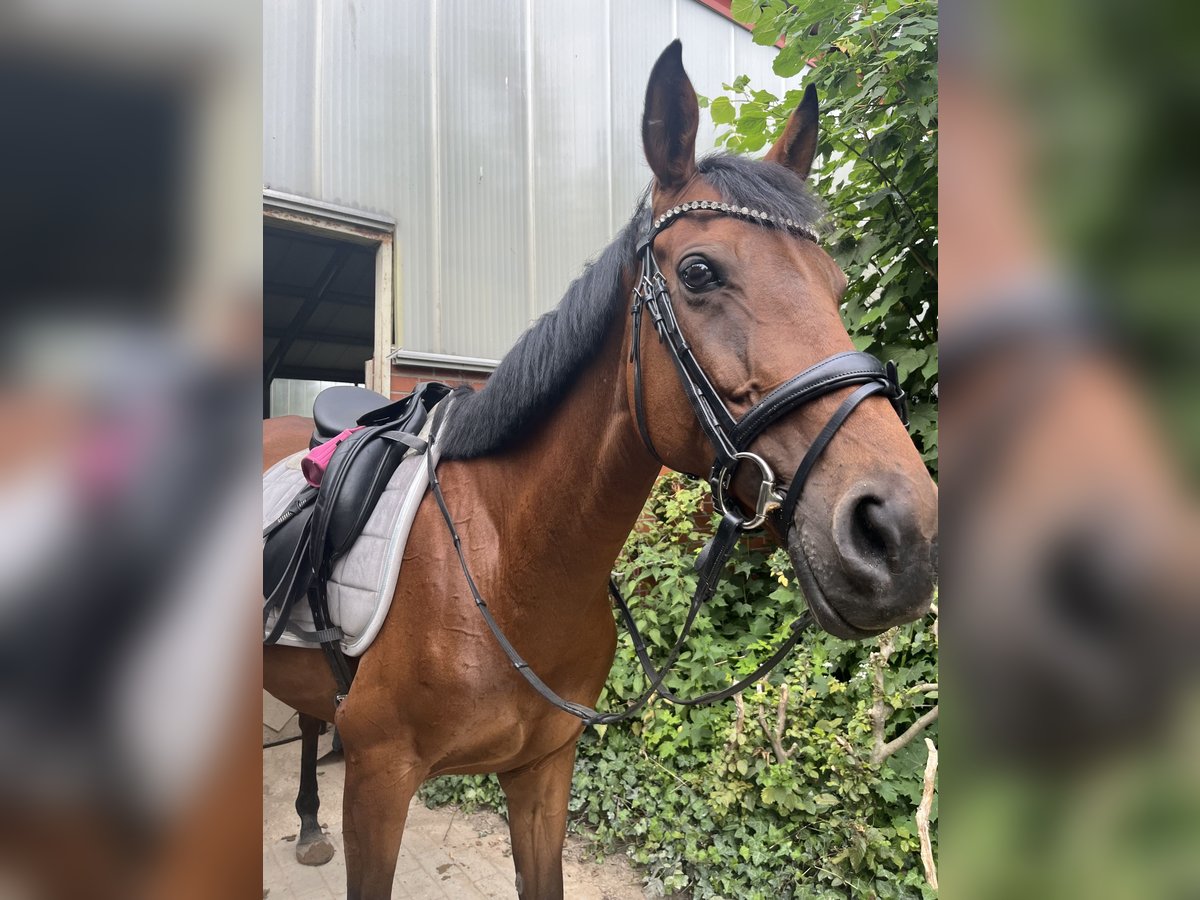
column 502, row 136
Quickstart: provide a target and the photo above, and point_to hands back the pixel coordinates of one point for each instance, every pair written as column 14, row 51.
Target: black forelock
column 549, row 356
column 765, row 186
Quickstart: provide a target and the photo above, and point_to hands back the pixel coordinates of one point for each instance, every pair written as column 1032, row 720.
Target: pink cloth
column 313, row 466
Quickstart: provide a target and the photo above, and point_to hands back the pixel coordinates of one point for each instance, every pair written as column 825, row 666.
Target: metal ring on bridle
column 768, row 501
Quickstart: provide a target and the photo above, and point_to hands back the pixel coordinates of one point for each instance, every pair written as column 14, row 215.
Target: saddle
column 321, row 524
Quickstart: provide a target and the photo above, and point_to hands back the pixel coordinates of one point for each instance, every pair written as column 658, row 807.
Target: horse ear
column 797, row 145
column 670, row 120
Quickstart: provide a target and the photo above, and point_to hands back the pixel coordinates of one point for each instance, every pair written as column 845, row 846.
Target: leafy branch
column 775, row 735
column 924, row 811
column 881, row 747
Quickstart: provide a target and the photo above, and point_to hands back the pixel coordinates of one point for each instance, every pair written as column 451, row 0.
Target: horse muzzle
column 875, row 567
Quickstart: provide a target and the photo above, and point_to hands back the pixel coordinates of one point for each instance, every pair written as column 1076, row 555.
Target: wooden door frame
column 295, row 213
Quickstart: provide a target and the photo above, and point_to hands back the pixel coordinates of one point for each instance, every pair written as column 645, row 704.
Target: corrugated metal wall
column 502, row 136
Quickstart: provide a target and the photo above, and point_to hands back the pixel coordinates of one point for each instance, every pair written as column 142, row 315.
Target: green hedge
column 712, row 808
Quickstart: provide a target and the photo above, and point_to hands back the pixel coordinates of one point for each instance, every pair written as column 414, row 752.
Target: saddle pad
column 363, row 581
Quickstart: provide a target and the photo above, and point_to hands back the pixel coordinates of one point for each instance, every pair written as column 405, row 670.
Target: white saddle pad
column 364, row 580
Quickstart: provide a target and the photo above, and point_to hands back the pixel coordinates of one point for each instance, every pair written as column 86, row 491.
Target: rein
column 730, row 439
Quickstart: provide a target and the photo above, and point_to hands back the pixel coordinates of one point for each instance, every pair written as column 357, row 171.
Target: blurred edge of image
column 1070, row 431
column 130, row 255
column 130, row 319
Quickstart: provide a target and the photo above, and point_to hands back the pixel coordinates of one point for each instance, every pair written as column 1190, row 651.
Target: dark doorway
column 318, row 312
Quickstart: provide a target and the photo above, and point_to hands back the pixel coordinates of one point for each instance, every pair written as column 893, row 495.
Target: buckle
column 768, row 500
column 897, row 396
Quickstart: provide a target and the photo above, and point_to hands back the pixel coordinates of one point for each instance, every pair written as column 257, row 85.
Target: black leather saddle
column 339, row 408
column 321, row 524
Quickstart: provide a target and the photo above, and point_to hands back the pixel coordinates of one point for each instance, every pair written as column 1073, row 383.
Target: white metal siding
column 503, row 137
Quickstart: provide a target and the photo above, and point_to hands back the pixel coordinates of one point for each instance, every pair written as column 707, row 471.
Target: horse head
column 757, row 305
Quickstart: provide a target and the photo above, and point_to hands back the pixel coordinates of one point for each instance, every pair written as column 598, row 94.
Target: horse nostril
column 867, row 531
column 883, row 540
column 870, row 531
column 872, row 534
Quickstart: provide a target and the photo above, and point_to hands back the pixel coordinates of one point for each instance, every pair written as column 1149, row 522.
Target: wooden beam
column 384, row 305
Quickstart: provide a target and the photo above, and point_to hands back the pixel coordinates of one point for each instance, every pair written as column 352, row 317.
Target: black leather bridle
column 731, row 439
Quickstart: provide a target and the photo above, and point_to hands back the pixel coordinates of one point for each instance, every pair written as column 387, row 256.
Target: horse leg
column 537, row 822
column 313, row 848
column 380, row 783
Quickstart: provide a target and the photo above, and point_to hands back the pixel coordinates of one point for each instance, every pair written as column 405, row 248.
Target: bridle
column 730, row 438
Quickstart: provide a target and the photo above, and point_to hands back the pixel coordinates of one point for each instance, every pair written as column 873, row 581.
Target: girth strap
column 286, row 592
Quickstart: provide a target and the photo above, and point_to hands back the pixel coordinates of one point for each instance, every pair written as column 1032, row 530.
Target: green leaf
column 722, row 111
column 893, row 270
column 765, row 32
column 909, row 360
column 745, row 11
column 789, row 61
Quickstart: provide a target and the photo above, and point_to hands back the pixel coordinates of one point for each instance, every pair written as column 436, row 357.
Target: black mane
column 546, row 360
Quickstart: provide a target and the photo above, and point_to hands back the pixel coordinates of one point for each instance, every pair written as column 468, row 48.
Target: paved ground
column 446, row 853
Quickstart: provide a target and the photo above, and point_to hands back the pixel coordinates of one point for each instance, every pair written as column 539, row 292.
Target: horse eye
column 697, row 274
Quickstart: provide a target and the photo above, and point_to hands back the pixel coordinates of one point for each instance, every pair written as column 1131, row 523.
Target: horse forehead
column 795, row 278
column 765, row 249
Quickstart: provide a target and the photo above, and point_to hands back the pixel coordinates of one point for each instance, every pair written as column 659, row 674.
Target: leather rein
column 730, row 438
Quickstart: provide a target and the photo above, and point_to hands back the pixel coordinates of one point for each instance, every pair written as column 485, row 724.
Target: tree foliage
column 875, row 68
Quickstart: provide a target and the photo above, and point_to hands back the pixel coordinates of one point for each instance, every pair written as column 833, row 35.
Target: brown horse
column 545, row 472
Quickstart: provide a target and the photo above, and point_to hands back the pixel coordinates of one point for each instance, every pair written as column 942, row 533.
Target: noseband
column 730, row 437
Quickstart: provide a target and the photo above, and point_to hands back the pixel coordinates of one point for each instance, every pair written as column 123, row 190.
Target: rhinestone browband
column 728, row 209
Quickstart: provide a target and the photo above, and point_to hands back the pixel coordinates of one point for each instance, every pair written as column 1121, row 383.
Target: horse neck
column 570, row 495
